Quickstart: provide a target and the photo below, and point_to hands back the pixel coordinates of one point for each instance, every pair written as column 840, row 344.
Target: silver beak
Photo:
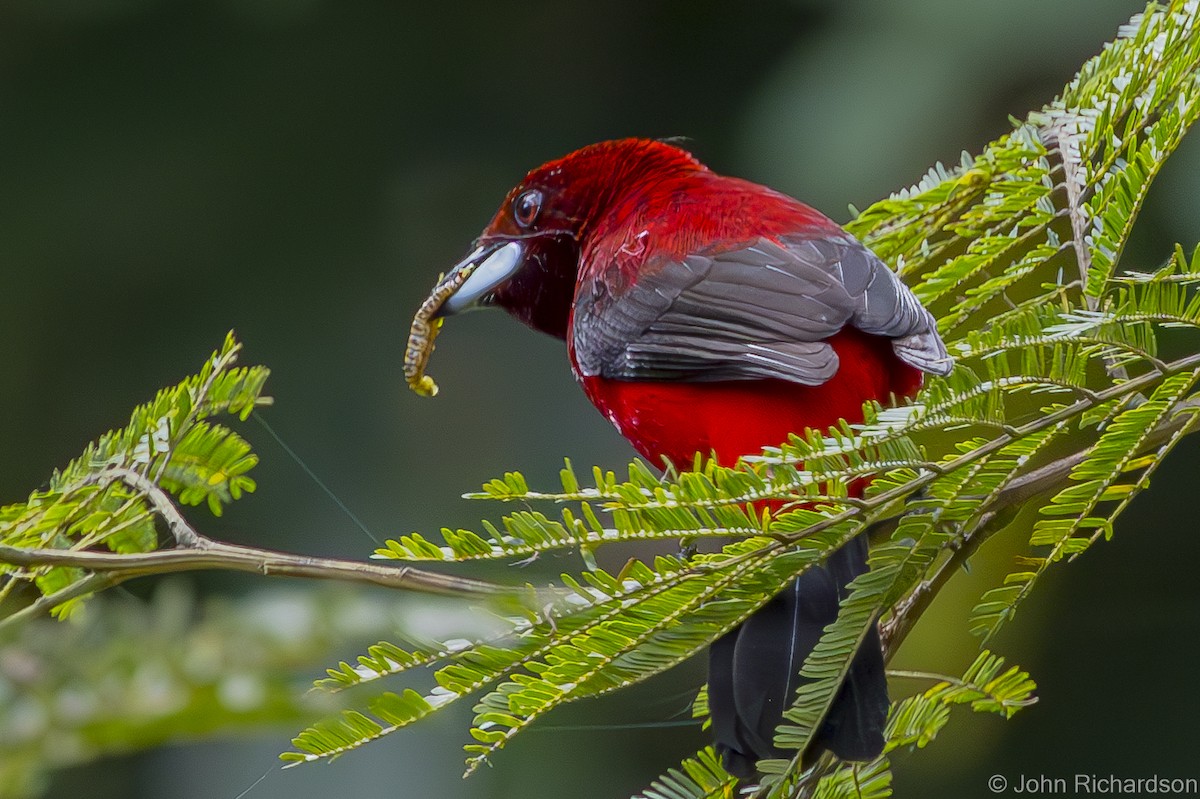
column 488, row 268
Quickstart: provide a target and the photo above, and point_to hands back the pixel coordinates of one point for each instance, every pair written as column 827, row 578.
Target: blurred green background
column 301, row 171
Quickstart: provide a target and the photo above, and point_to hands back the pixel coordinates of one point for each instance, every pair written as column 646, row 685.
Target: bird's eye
column 526, row 207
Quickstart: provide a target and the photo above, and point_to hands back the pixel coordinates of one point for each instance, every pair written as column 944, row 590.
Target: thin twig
column 196, row 552
column 879, row 501
column 1057, row 137
column 184, row 534
column 233, row 557
column 931, row 676
column 1018, row 491
column 44, row 604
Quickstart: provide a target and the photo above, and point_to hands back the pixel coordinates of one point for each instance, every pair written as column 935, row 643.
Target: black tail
column 753, row 672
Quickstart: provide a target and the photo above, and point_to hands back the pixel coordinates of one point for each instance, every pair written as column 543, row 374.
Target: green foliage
column 170, row 441
column 699, row 777
column 1114, row 472
column 138, row 673
column 1016, row 251
column 1061, row 393
column 916, row 720
column 986, row 686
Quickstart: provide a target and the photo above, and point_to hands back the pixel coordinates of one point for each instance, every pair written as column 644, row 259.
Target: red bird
column 708, row 314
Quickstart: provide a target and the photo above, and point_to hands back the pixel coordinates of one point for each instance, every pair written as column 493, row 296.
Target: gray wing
column 763, row 311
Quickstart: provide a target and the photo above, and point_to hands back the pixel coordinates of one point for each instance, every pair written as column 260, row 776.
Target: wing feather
column 762, row 311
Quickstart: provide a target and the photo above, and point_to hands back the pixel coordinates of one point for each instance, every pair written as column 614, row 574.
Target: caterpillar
column 425, row 329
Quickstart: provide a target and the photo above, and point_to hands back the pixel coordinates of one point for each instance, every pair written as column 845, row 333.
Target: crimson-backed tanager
column 707, row 314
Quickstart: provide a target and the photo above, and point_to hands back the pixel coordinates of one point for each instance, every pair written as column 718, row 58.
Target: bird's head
column 527, row 258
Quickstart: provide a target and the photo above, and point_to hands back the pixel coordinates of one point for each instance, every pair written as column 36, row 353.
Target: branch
column 880, row 501
column 1049, row 477
column 44, row 604
column 195, row 552
column 1058, row 137
column 210, row 554
column 1017, row 492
